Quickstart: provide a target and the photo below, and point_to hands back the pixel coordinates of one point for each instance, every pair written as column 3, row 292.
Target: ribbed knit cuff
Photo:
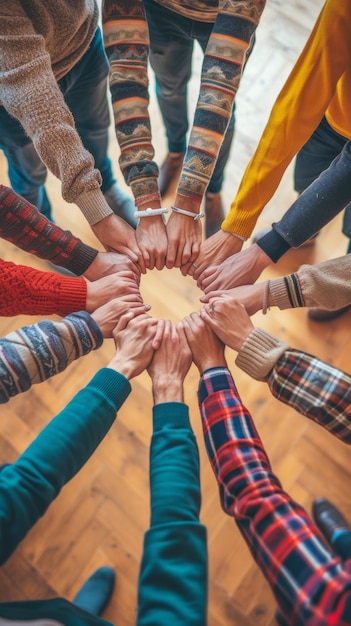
column 259, row 353
column 72, row 295
column 273, row 245
column 81, row 259
column 279, row 293
column 170, row 415
column 93, row 206
column 113, row 385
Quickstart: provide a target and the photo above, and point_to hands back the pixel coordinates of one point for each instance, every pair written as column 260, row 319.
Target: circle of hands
column 142, row 341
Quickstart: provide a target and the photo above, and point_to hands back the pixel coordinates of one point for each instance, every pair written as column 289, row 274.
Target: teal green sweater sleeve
column 173, row 575
column 28, row 486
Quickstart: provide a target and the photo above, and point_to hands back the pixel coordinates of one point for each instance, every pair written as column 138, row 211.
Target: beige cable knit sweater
column 40, row 41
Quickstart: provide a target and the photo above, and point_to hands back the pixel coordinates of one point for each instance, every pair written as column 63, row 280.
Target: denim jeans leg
column 26, row 171
column 170, row 56
column 85, row 90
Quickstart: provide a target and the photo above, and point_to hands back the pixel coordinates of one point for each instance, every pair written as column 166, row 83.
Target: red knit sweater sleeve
column 24, row 290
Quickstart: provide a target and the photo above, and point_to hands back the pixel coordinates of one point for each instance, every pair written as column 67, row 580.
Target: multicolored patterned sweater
column 34, row 353
column 126, row 43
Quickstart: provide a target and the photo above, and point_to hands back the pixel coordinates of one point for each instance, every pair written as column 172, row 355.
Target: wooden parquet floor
column 100, row 517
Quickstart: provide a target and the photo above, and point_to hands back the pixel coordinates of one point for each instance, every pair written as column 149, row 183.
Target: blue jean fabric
column 172, row 39
column 85, row 92
column 324, row 145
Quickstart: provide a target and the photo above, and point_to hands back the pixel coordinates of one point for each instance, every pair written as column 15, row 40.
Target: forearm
column 22, row 224
column 220, row 78
column 314, row 208
column 25, row 290
column 34, row 353
column 56, row 455
column 175, row 546
column 312, row 387
column 127, row 47
column 285, row 545
column 325, row 285
column 296, row 113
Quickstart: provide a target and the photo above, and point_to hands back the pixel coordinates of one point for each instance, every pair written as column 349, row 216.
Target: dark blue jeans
column 172, row 39
column 324, row 145
column 85, row 92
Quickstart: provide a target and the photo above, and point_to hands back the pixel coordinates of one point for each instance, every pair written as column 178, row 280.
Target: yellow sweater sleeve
column 299, row 108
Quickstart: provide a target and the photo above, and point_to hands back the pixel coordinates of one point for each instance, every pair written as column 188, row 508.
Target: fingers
column 159, row 334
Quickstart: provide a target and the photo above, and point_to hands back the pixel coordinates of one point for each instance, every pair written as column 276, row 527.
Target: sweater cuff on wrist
column 93, row 206
column 82, row 258
column 170, row 415
column 72, row 295
column 259, row 353
column 273, row 245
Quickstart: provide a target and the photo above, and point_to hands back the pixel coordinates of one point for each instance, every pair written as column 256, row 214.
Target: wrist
column 166, row 389
column 123, row 366
column 211, row 363
column 192, row 203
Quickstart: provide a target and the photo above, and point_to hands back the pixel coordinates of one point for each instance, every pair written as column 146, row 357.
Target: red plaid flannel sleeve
column 311, row 585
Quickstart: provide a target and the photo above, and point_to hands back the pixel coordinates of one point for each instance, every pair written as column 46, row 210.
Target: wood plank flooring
column 100, row 517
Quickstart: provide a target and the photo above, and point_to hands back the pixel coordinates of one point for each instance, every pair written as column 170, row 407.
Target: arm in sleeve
column 28, row 486
column 126, row 39
column 312, row 387
column 25, row 290
column 34, row 353
column 282, row 538
column 221, row 73
column 173, row 575
column 326, row 285
column 296, row 113
column 23, row 225
column 327, row 196
column 30, row 93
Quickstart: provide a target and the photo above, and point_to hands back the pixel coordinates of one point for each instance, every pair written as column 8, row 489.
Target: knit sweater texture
column 326, row 285
column 25, row 290
column 40, row 41
column 34, row 353
column 126, row 43
column 319, row 84
column 23, row 225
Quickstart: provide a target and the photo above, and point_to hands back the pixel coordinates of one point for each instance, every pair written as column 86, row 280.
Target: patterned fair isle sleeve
column 311, row 585
column 23, row 225
column 220, row 77
column 126, row 39
column 315, row 389
column 34, row 353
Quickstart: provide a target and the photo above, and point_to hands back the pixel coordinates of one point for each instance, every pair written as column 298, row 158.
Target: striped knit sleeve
column 126, row 41
column 34, row 353
column 220, row 77
column 23, row 225
column 28, row 291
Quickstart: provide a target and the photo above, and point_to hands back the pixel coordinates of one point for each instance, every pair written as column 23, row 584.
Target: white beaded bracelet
column 195, row 216
column 150, row 212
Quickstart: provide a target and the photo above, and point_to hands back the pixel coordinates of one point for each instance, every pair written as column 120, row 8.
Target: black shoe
column 328, row 518
column 94, row 595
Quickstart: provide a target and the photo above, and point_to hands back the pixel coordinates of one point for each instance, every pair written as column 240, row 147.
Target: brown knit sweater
column 40, row 41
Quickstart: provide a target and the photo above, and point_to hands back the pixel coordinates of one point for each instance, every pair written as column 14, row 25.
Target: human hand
column 169, row 365
column 117, row 236
column 151, row 236
column 229, row 319
column 110, row 287
column 242, row 268
column 251, row 296
column 206, row 348
column 108, row 315
column 184, row 238
column 106, row 263
column 213, row 251
column 133, row 338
